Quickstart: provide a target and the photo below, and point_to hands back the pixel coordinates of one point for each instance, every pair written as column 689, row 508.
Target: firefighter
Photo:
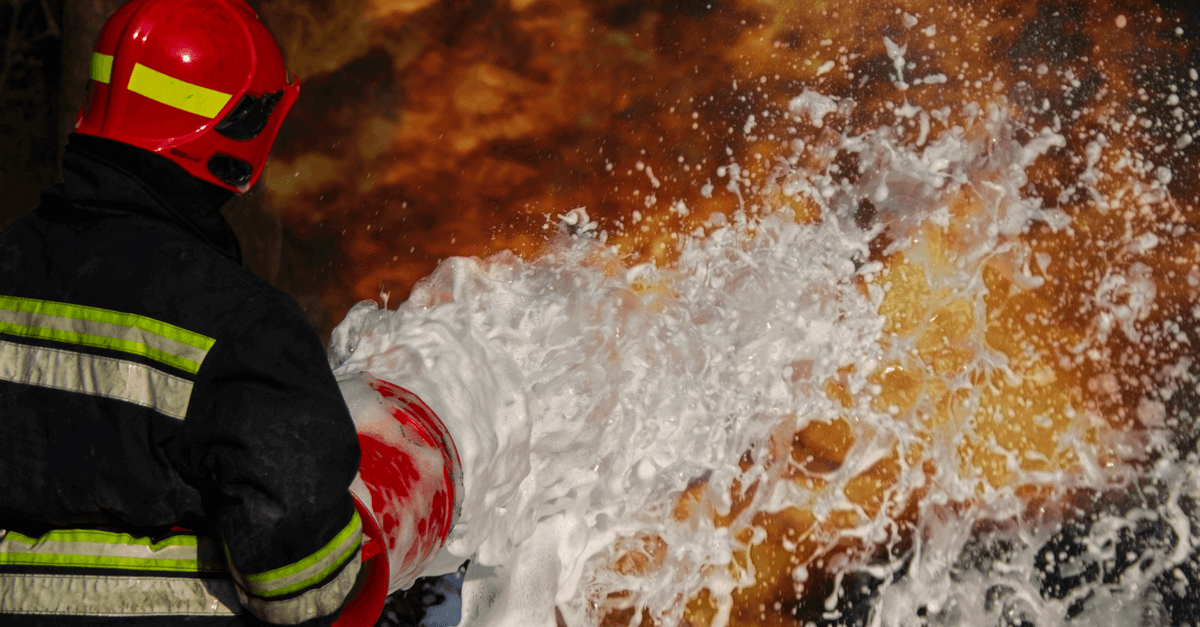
column 174, row 448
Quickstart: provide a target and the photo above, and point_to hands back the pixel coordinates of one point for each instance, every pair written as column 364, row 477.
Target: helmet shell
column 166, row 73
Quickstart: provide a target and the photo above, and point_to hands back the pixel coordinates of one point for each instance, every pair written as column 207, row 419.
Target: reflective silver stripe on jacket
column 321, row 601
column 114, row 595
column 99, row 376
column 267, row 594
column 310, row 570
column 104, row 328
column 153, row 586
column 86, row 548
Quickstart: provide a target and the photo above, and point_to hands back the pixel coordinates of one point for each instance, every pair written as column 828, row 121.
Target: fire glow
column 1047, row 355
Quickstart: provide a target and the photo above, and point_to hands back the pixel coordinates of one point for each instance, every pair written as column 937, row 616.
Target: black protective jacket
column 173, row 446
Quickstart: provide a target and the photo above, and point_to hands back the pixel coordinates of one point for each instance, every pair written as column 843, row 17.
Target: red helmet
column 200, row 82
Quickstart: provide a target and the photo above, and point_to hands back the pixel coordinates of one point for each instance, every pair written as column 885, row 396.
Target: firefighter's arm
column 277, row 451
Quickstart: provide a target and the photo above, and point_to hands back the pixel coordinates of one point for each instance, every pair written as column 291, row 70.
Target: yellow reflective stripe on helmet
column 92, row 326
column 101, row 67
column 115, row 595
column 177, row 93
column 81, row 548
column 310, row 570
column 98, row 376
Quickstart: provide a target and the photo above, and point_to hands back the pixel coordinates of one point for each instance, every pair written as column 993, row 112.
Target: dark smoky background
column 428, row 128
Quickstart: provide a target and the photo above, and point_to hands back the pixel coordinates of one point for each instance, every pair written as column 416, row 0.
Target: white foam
column 586, row 395
column 582, row 405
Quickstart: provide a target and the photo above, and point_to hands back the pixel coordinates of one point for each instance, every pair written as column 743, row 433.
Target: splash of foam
column 658, row 441
column 588, row 394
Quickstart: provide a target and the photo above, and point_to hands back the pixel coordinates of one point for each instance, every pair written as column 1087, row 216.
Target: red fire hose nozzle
column 408, row 491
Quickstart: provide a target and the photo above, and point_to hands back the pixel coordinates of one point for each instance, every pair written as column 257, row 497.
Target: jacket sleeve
column 271, row 440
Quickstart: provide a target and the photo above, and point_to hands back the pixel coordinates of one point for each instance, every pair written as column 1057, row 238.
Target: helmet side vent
column 249, row 117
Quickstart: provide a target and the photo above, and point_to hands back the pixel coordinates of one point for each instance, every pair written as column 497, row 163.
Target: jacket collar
column 109, row 177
